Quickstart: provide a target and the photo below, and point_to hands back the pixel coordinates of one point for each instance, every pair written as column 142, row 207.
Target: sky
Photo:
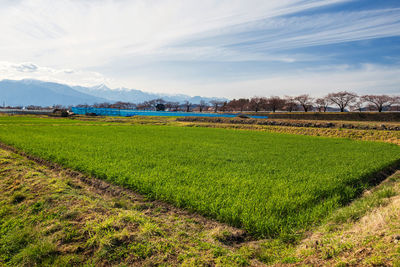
column 222, row 48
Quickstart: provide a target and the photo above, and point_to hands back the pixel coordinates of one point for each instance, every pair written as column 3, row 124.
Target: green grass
column 20, row 120
column 267, row 183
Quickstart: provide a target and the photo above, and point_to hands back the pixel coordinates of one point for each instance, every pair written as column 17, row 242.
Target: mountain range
column 40, row 93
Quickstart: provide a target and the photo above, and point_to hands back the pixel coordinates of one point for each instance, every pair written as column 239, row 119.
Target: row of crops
column 267, row 183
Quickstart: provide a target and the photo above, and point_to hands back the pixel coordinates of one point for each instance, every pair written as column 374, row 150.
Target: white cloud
column 81, row 34
column 15, row 71
column 25, row 67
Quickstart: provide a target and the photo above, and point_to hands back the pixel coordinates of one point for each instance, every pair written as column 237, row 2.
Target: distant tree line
column 340, row 101
column 161, row 105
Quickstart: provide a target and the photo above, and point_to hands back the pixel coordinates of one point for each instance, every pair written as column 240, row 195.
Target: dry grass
column 372, row 240
column 366, row 135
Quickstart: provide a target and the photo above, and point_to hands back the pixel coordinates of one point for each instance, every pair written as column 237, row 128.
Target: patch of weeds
column 386, row 193
column 141, row 250
column 221, row 235
column 375, row 261
column 114, row 248
column 274, row 250
column 218, row 252
column 32, row 174
column 289, row 238
column 37, row 207
column 183, row 234
column 50, row 199
column 150, row 229
column 141, row 207
column 290, row 260
column 5, row 161
column 52, row 228
column 341, row 264
column 361, row 206
column 13, row 241
column 70, row 234
column 164, row 247
column 70, row 215
column 193, row 260
column 120, row 204
column 4, row 209
column 334, row 248
column 36, row 253
column 159, row 210
column 131, row 217
column 69, row 260
column 73, row 185
column 102, row 233
column 233, row 260
column 247, row 251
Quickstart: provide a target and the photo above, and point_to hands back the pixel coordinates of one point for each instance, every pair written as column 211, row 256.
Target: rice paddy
column 270, row 184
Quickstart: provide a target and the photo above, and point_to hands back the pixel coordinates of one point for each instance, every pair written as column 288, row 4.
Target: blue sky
column 236, row 48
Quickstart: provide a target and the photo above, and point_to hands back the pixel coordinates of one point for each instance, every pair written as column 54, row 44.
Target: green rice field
column 270, row 184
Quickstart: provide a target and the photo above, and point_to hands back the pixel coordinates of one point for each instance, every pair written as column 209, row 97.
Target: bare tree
column 121, row 105
column 202, row 105
column 396, row 104
column 151, row 104
column 172, row 106
column 33, row 107
column 305, row 101
column 82, row 106
column 146, row 105
column 224, row 106
column 275, row 103
column 243, row 103
column 381, row 102
column 358, row 105
column 257, row 103
column 142, row 106
column 291, row 104
column 216, row 104
column 238, row 104
column 342, row 99
column 187, row 105
column 322, row 103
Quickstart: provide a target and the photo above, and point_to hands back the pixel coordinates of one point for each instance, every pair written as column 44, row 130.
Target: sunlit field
column 270, row 184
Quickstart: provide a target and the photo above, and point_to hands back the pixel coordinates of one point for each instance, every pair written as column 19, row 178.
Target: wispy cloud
column 87, row 33
column 258, row 40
